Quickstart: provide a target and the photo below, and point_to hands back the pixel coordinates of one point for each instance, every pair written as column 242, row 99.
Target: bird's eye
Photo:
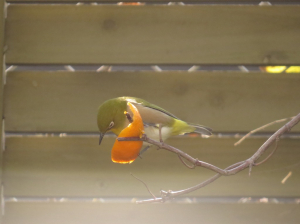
column 111, row 125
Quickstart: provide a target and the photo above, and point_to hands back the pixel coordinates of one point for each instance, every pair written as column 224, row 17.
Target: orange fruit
column 128, row 151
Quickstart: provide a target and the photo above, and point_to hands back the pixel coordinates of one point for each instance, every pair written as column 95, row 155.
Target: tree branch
column 167, row 195
column 261, row 128
column 231, row 170
column 269, row 156
column 150, row 192
column 187, row 165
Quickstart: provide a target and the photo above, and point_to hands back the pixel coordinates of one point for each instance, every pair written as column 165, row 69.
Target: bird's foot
column 162, row 144
column 143, row 151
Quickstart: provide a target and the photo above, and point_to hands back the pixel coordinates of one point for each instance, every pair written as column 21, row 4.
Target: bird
column 159, row 124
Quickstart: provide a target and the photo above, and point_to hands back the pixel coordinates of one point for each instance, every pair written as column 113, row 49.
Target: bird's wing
column 153, row 115
column 149, row 105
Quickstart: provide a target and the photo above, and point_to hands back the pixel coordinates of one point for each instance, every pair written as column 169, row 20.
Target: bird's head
column 111, row 117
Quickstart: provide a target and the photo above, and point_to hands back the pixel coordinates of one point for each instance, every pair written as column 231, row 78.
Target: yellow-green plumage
column 111, row 118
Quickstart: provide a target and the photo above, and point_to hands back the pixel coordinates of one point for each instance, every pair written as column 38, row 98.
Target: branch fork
column 231, row 170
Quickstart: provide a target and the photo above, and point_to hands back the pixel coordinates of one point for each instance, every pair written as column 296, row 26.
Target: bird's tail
column 181, row 127
column 201, row 129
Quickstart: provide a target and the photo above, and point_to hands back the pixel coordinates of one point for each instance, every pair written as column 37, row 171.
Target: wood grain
column 151, row 1
column 152, row 34
column 226, row 102
column 92, row 213
column 2, row 76
column 79, row 167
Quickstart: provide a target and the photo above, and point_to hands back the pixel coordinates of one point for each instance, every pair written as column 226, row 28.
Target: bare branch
column 214, row 168
column 150, row 192
column 261, row 128
column 132, row 138
column 231, row 170
column 269, row 156
column 286, row 177
column 178, row 152
column 184, row 163
column 166, row 195
column 250, row 168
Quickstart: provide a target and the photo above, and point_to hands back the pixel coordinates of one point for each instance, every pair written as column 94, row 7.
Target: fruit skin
column 127, row 151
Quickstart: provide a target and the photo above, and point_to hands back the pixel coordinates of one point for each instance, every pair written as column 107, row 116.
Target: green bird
column 159, row 124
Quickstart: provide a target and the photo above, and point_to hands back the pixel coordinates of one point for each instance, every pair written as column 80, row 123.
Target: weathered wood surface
column 1, row 97
column 92, row 213
column 226, row 102
column 151, row 1
column 110, row 34
column 79, row 167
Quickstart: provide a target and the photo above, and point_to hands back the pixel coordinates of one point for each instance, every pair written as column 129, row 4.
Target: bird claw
column 143, row 151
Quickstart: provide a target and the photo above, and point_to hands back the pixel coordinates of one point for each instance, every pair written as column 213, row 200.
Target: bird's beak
column 101, row 137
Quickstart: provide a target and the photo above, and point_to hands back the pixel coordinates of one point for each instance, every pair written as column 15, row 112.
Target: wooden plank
column 226, row 102
column 152, row 34
column 34, row 213
column 79, row 167
column 153, row 1
column 2, row 76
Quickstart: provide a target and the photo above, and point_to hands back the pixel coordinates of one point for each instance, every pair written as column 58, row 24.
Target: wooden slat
column 152, row 1
column 78, row 213
column 79, row 167
column 2, row 19
column 226, row 102
column 93, row 34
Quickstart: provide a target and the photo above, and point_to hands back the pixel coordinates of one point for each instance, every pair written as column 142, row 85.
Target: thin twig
column 187, row 165
column 287, row 127
column 148, row 189
column 178, row 152
column 231, row 170
column 166, row 195
column 250, row 168
column 269, row 156
column 286, row 177
column 261, row 128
